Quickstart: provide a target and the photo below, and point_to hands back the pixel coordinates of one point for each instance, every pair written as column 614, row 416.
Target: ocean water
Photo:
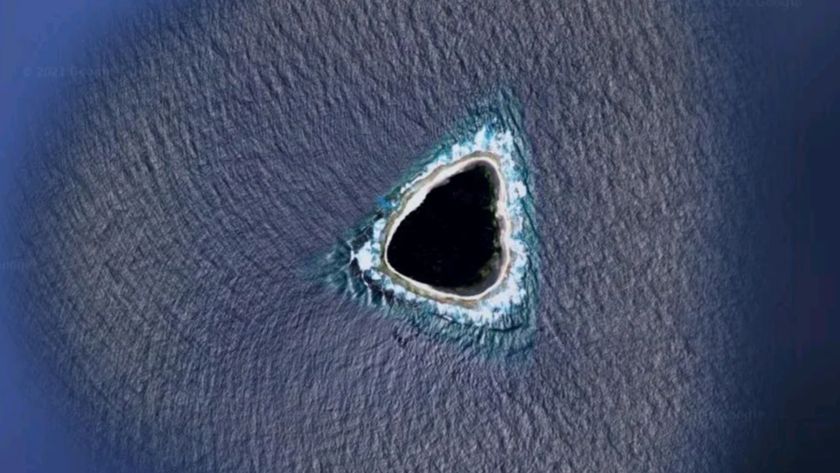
column 173, row 193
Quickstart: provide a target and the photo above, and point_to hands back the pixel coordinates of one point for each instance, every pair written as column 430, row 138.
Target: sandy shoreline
column 414, row 198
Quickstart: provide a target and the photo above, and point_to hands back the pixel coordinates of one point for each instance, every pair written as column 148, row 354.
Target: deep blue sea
column 171, row 172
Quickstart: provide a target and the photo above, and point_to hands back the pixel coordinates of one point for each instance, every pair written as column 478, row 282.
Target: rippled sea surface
column 172, row 203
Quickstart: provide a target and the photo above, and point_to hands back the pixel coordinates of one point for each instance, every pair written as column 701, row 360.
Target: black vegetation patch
column 451, row 241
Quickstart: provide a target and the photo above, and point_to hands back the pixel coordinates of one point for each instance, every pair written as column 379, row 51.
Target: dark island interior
column 452, row 240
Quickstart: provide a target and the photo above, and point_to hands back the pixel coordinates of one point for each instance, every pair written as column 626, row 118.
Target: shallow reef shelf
column 357, row 265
